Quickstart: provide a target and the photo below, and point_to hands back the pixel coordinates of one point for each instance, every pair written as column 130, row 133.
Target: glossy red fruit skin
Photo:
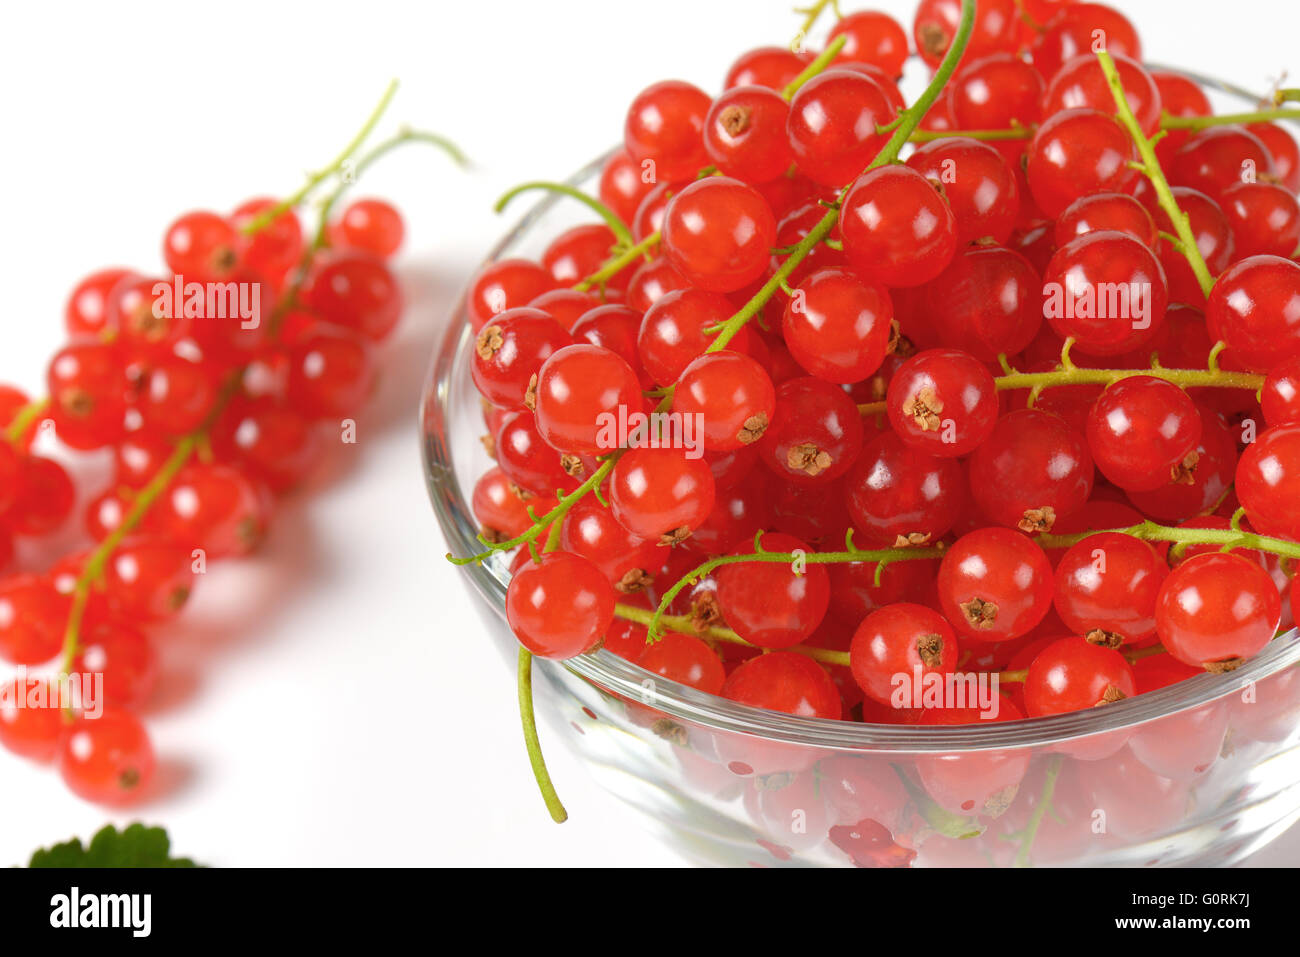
column 559, row 607
column 269, row 440
column 1032, row 462
column 980, row 782
column 872, row 37
column 217, row 508
column 745, row 136
column 1140, row 430
column 510, row 350
column 815, row 434
column 615, row 327
column 672, row 331
column 1268, row 481
column 277, row 247
column 1077, row 153
column 1282, row 146
column 935, row 24
column 107, row 760
column 1214, row 239
column 1210, row 478
column 1125, row 284
column 771, row 67
column 1265, row 219
column 898, row 495
column 43, row 497
column 1215, row 608
column 995, row 92
column 503, row 285
column 785, row 681
column 839, row 329
column 1071, row 33
column 370, row 226
column 176, row 395
column 1081, row 84
column 978, row 184
column 528, row 461
column 356, row 291
column 149, row 580
column 994, row 567
column 768, row 603
column 895, row 643
column 832, row 125
column 87, row 385
column 664, row 125
column 499, row 507
column 661, row 494
column 578, row 252
column 987, row 302
column 732, row 395
column 126, row 660
column 31, row 722
column 1218, row 157
column 686, row 660
column 578, row 387
column 1110, row 582
column 330, row 374
column 628, row 561
column 1106, row 211
column 651, row 282
column 897, row 228
column 202, row 246
column 943, row 402
column 622, row 186
column 1072, row 674
column 32, row 618
column 1280, row 400
column 86, row 313
column 718, row 233
column 1255, row 308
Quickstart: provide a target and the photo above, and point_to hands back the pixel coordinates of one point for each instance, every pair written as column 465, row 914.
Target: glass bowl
column 1203, row 772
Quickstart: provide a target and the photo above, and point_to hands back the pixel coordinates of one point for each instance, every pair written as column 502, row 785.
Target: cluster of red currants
column 215, row 387
column 951, row 357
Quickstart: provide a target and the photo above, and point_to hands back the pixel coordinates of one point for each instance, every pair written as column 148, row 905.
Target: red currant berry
column 581, row 394
column 943, row 402
column 43, row 497
column 1106, row 211
column 833, row 125
column 730, row 395
column 86, row 313
column 774, row 604
column 997, row 24
column 1219, row 157
column 125, row 659
column 330, row 375
column 996, row 92
column 505, row 284
column 718, row 233
column 501, row 507
column 1077, row 153
column 32, row 618
column 1109, row 583
column 994, row 584
column 622, row 186
column 1072, row 674
column 202, row 247
column 1265, row 219
column 988, row 302
column 87, row 386
column 1217, row 610
column 872, row 37
column 983, row 782
column 356, row 291
column 815, row 434
column 898, row 229
column 559, row 607
column 978, row 184
column 212, row 507
column 686, row 660
column 745, row 134
column 107, row 760
column 1081, row 84
column 271, row 441
column 1141, row 432
column 673, row 331
column 772, row 67
column 1033, row 469
column 1280, row 398
column 31, row 721
column 664, row 125
column 370, row 226
column 1073, row 32
column 900, row 496
column 785, row 681
column 149, row 580
column 1268, row 481
column 509, row 352
column 895, row 643
column 275, row 248
column 661, row 494
column 837, row 327
column 1214, row 239
column 1282, row 146
column 1255, row 308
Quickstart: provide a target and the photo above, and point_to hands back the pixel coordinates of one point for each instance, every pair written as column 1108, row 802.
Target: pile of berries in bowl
column 904, row 485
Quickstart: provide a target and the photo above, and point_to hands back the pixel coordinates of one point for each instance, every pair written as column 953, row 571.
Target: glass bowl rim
column 618, row 676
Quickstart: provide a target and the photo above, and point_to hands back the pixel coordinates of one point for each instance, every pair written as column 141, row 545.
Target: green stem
column 1168, row 122
column 1010, row 133
column 266, row 217
column 616, row 225
column 23, row 419
column 812, row 13
column 1286, row 95
column 1150, row 166
column 1030, row 831
column 816, row 66
column 529, row 719
column 618, row 263
column 685, row 625
column 1154, row 532
column 907, row 122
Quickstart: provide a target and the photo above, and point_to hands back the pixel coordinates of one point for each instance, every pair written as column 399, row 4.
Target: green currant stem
column 94, row 567
column 1286, row 95
column 685, row 625
column 558, row 814
column 618, row 263
column 907, row 123
column 23, row 419
column 1076, row 375
column 1150, row 166
column 1154, row 532
column 816, row 66
column 812, row 14
column 1030, row 831
column 939, row 818
column 616, row 225
column 1010, row 133
column 1168, row 122
column 260, row 221
column 1130, row 655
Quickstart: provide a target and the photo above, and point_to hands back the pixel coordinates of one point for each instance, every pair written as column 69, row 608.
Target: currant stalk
column 1150, row 167
column 812, row 15
column 24, row 418
column 1226, row 119
column 1025, row 836
column 611, row 218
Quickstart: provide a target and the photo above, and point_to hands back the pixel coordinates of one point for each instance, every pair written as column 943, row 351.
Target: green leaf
column 137, row 846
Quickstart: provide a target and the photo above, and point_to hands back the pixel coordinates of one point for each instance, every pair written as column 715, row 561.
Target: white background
column 332, row 701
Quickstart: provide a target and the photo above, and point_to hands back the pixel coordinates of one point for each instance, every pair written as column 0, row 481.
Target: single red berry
column 785, row 681
column 108, row 759
column 1106, row 211
column 979, row 782
column 1214, row 240
column 1217, row 610
column 149, row 580
column 1076, row 153
column 833, row 125
column 1282, row 146
column 509, row 352
column 1142, row 432
column 664, row 125
column 31, row 721
column 996, row 92
column 1280, row 398
column 87, row 389
column 1073, row 31
column 1268, row 481
column 837, row 327
column 661, row 494
column 275, row 443
column 1219, row 157
column 276, row 247
column 505, row 284
column 677, row 327
column 1081, row 84
column 774, row 604
column 202, row 247
column 560, row 606
column 898, row 229
column 1109, row 583
column 994, row 584
column 988, row 302
column 997, row 24
column 815, row 434
column 894, row 644
column 43, row 497
column 900, row 496
column 745, row 134
column 357, row 291
column 125, row 659
column 686, row 660
column 943, row 402
column 1265, row 219
column 32, row 619
column 1073, row 674
column 1255, row 308
column 501, row 507
column 731, row 395
column 718, row 233
column 581, row 395
column 86, row 313
column 978, row 184
column 370, row 226
column 330, row 374
column 872, row 37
